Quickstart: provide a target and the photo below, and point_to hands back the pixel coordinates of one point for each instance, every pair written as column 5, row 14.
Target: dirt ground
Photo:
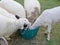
column 38, row 40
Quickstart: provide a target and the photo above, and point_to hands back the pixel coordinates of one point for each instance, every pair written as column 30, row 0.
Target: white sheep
column 47, row 18
column 6, row 13
column 32, row 8
column 9, row 25
column 13, row 7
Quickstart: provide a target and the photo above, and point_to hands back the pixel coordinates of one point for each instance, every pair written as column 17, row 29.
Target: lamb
column 13, row 7
column 47, row 18
column 9, row 25
column 32, row 8
column 6, row 13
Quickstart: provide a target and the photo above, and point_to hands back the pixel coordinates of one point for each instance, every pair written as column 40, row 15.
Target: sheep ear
column 17, row 16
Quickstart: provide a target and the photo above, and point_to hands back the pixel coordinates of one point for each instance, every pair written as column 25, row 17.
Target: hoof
column 48, row 39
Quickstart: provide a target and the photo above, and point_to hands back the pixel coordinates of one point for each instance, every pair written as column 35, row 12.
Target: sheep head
column 23, row 23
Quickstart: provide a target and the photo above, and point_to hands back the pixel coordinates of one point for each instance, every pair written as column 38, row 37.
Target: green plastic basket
column 28, row 33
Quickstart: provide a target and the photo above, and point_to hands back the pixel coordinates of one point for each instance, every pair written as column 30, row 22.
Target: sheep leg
column 8, row 38
column 49, row 31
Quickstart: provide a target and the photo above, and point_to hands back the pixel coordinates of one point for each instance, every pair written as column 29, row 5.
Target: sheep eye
column 17, row 16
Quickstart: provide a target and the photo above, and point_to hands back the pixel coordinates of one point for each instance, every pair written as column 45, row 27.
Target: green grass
column 45, row 4
column 55, row 35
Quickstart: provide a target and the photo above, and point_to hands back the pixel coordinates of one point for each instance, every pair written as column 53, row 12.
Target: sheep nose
column 25, row 25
